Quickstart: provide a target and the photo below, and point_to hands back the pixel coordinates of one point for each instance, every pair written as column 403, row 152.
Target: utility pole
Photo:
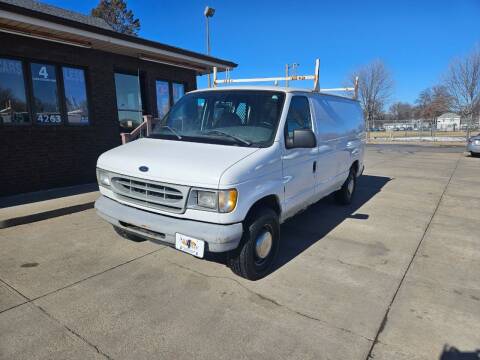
column 209, row 12
column 294, row 67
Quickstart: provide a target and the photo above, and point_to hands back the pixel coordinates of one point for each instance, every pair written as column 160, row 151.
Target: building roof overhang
column 29, row 23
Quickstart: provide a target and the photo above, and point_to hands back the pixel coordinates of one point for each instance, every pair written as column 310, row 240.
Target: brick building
column 69, row 85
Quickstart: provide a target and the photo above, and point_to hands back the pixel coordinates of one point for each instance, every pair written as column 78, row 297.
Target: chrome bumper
column 156, row 227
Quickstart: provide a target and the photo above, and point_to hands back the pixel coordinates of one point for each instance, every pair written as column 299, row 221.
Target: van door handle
column 314, row 166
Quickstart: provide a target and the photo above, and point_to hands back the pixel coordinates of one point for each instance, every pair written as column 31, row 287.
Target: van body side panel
column 328, row 137
column 340, row 121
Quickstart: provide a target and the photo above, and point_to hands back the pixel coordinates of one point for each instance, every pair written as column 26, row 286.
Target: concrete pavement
column 393, row 276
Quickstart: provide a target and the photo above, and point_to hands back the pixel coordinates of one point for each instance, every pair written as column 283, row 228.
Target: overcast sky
column 416, row 39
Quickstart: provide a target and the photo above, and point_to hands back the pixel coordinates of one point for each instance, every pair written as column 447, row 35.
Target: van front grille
column 151, row 194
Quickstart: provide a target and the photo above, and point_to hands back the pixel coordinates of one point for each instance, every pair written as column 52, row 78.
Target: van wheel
column 474, row 154
column 344, row 196
column 128, row 235
column 259, row 246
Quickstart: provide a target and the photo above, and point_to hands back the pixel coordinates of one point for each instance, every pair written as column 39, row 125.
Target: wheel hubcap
column 263, row 244
column 350, row 186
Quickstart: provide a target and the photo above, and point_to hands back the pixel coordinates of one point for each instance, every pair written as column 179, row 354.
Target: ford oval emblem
column 143, row 168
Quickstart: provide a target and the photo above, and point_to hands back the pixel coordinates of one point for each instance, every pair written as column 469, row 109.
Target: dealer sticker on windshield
column 189, row 245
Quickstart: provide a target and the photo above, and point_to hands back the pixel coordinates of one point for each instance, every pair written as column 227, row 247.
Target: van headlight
column 103, row 178
column 223, row 201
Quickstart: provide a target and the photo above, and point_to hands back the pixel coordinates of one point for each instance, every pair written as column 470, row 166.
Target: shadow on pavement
column 310, row 226
column 44, row 195
column 452, row 353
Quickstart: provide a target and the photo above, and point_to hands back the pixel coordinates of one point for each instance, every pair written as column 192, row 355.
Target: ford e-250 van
column 226, row 166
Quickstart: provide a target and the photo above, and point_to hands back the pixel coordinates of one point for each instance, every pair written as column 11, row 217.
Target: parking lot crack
column 425, row 232
column 73, row 332
column 29, row 302
column 96, row 274
column 18, row 292
column 270, row 300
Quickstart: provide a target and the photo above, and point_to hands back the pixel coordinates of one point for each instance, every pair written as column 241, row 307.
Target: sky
column 415, row 39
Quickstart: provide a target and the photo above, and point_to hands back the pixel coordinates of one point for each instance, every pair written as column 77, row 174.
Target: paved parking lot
column 396, row 275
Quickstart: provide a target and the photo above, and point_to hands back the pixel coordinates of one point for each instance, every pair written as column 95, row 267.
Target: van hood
column 176, row 162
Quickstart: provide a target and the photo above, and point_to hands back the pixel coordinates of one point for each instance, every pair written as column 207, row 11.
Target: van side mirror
column 302, row 138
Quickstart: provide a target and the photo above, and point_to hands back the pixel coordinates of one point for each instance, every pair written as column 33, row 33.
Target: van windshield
column 229, row 117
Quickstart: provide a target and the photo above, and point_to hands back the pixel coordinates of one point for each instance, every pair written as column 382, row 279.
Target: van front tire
column 259, row 246
column 345, row 195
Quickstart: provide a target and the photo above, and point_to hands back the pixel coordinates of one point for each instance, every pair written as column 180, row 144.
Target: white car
column 227, row 166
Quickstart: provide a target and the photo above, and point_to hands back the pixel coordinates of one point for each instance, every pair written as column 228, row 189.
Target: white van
column 227, row 166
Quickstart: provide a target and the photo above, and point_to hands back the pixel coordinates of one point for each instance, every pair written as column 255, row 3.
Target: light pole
column 209, row 12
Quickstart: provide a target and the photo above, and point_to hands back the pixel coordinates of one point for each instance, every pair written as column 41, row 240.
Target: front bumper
column 156, row 227
column 472, row 147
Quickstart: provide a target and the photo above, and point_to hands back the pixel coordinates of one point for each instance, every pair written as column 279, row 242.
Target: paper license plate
column 189, row 245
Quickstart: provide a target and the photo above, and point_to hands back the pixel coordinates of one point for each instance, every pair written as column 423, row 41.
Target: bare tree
column 433, row 102
column 401, row 111
column 463, row 84
column 374, row 89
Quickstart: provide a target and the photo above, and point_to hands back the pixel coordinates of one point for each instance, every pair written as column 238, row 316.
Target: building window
column 13, row 100
column 46, row 106
column 75, row 96
column 163, row 98
column 129, row 101
column 178, row 91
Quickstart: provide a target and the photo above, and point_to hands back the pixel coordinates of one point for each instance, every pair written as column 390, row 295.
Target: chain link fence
column 427, row 134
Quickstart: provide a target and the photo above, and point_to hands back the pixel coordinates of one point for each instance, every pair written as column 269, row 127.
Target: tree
column 462, row 82
column 115, row 14
column 375, row 86
column 433, row 102
column 401, row 111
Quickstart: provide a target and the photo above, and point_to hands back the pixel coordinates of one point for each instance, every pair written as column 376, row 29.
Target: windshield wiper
column 236, row 138
column 172, row 131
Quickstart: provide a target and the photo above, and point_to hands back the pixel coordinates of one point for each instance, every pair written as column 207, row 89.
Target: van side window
column 298, row 116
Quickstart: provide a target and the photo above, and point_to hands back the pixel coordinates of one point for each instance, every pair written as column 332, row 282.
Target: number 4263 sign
column 49, row 118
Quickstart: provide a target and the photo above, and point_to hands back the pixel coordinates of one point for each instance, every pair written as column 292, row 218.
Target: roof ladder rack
column 315, row 77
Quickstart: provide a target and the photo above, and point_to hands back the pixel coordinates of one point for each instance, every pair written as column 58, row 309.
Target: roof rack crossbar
column 268, row 79
column 315, row 77
column 344, row 89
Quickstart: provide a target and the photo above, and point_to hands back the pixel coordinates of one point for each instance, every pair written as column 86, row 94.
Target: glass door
column 129, row 100
column 163, row 98
column 178, row 91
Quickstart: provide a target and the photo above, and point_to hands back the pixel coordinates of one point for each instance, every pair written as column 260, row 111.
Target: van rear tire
column 344, row 196
column 259, row 246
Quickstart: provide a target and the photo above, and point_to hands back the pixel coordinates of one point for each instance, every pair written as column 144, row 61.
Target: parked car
column 474, row 145
column 227, row 166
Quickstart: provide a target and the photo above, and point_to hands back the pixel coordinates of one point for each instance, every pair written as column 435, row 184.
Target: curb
column 22, row 220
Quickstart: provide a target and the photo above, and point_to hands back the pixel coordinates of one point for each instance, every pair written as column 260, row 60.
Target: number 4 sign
column 43, row 72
